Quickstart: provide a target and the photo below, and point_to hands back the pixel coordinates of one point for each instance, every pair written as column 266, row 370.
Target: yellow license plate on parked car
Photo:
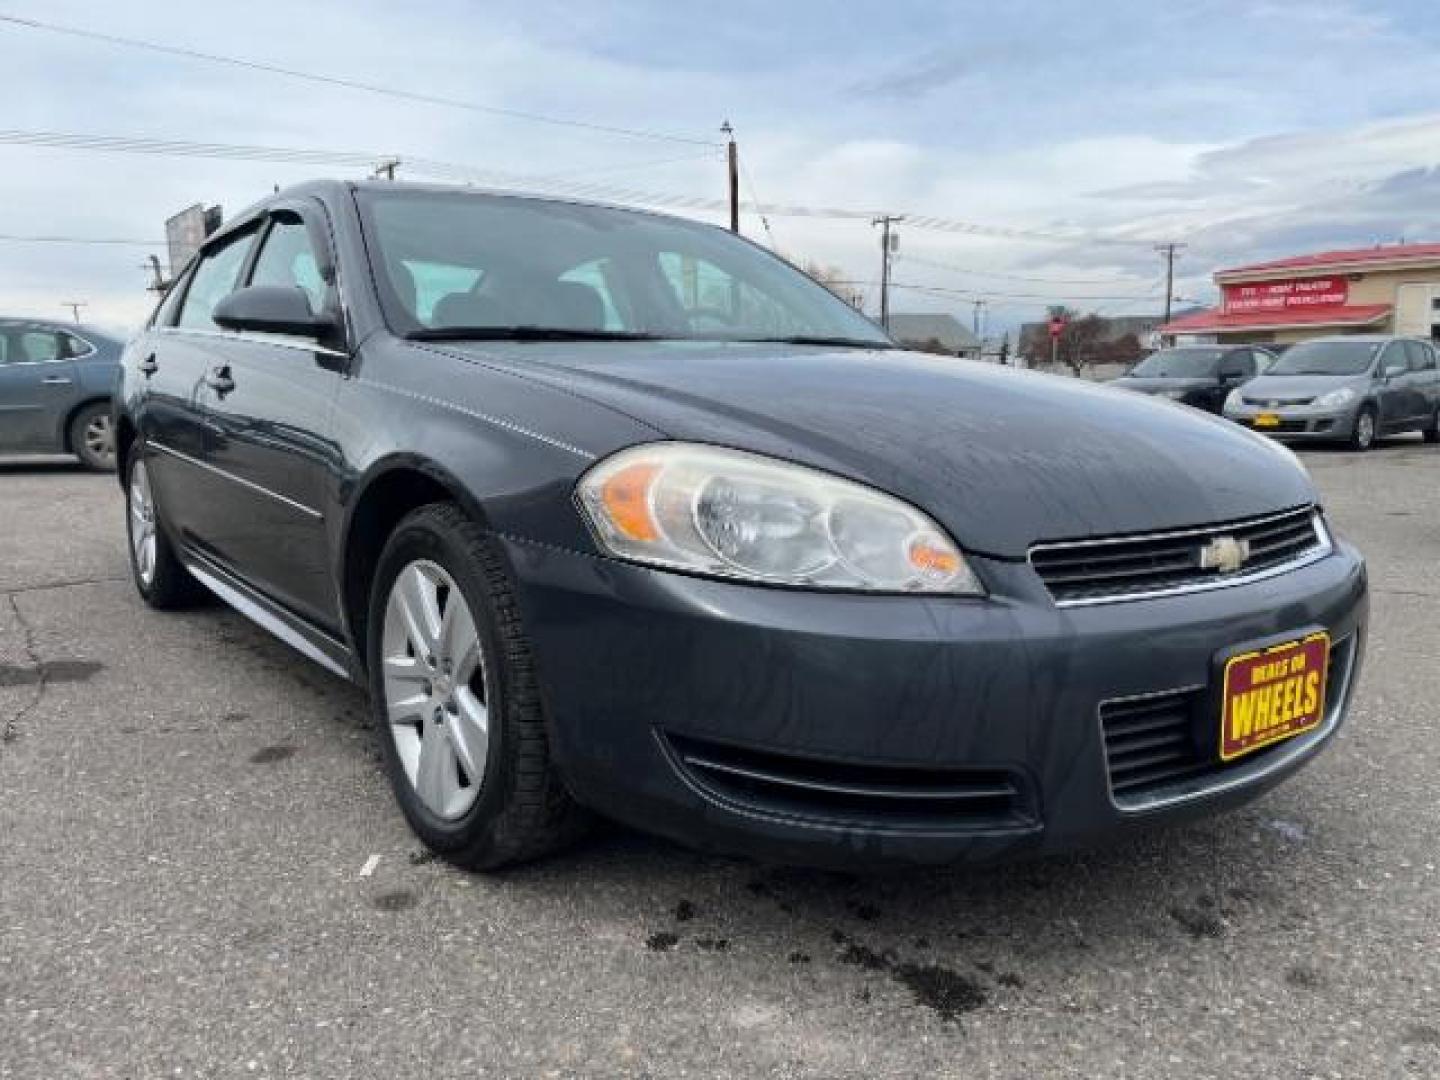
column 1273, row 694
column 1267, row 419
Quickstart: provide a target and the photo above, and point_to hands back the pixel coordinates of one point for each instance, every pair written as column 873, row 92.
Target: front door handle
column 149, row 366
column 220, row 381
column 56, row 380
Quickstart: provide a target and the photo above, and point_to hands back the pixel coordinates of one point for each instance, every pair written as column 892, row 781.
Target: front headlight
column 739, row 515
column 1233, row 401
column 1335, row 398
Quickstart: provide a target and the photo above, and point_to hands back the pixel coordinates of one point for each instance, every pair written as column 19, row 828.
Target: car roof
column 335, row 189
column 79, row 329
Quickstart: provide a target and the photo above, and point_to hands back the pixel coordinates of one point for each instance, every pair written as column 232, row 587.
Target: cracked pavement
column 203, row 874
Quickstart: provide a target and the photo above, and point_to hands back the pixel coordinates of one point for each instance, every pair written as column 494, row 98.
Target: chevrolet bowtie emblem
column 1225, row 554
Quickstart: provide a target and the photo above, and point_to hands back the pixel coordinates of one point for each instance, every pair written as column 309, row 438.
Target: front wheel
column 92, row 437
column 1362, row 437
column 1431, row 431
column 456, row 698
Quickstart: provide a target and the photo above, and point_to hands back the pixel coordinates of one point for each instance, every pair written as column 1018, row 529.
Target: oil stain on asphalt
column 52, row 672
column 399, row 900
column 269, row 755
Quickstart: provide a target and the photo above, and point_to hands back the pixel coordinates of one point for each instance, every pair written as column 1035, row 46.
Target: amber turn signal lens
column 626, row 497
column 933, row 561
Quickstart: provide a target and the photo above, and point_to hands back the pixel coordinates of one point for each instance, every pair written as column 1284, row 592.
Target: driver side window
column 213, row 280
column 288, row 260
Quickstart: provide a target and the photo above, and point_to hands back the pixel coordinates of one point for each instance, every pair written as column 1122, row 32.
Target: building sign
column 186, row 231
column 1286, row 295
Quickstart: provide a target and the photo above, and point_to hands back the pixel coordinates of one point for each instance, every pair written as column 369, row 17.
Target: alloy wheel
column 142, row 523
column 434, row 673
column 99, row 438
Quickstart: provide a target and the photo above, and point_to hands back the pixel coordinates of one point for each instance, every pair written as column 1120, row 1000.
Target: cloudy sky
column 1243, row 128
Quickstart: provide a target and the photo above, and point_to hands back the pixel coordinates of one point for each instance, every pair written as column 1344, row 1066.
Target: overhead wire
column 346, row 83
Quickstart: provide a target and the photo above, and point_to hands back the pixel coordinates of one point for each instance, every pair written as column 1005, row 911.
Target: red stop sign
column 1057, row 327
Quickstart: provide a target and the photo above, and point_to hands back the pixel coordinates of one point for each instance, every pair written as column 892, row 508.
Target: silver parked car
column 1351, row 389
column 56, row 385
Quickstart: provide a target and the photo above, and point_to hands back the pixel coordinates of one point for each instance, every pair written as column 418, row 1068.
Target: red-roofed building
column 1393, row 289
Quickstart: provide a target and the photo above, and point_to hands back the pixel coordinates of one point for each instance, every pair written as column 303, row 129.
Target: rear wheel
column 160, row 579
column 456, row 699
column 92, row 437
column 1431, row 431
column 1362, row 436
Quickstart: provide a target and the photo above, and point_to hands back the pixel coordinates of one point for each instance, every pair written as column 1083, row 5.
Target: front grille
column 1156, row 745
column 1118, row 568
column 1276, row 403
column 891, row 796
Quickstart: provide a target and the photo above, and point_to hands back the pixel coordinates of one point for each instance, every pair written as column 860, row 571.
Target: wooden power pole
column 732, row 164
column 887, row 248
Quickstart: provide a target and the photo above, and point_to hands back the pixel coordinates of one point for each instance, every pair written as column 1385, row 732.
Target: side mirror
column 1391, row 370
column 271, row 309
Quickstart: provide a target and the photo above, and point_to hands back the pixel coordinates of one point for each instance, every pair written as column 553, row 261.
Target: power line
column 17, row 239
column 367, row 160
column 348, row 84
column 937, row 265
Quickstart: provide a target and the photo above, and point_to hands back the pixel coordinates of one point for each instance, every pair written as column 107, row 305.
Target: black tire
column 523, row 810
column 92, row 436
column 1358, row 442
column 169, row 586
column 1431, row 431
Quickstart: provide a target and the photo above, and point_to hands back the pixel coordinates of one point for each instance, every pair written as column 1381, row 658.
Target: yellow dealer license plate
column 1273, row 694
column 1267, row 419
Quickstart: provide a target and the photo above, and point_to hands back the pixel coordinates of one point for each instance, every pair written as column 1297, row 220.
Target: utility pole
column 1169, row 250
column 980, row 306
column 732, row 165
column 888, row 243
column 386, row 169
column 75, row 306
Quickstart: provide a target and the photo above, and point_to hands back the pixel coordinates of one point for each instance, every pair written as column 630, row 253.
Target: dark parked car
column 56, row 382
column 1201, row 376
column 614, row 511
column 1352, row 389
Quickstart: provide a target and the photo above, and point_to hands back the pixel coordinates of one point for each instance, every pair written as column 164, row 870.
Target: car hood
column 1298, row 387
column 1155, row 385
column 1002, row 458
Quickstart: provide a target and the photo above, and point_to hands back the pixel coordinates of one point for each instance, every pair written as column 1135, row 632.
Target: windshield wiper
column 816, row 339
column 524, row 333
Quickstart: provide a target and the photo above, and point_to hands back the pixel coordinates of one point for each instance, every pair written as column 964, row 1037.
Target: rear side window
column 73, row 348
column 288, row 260
column 165, row 313
column 30, row 346
column 1421, row 357
column 213, row 280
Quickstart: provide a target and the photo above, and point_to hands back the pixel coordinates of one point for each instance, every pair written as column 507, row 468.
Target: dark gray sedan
column 1200, row 376
column 1349, row 389
column 620, row 513
column 56, row 384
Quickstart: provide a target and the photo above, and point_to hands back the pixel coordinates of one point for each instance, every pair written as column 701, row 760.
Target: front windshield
column 1180, row 364
column 1327, row 358
column 450, row 262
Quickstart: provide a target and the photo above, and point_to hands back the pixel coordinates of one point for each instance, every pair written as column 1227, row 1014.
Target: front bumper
column 901, row 729
column 1318, row 425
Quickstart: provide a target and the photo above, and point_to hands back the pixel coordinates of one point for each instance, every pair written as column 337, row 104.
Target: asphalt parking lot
column 187, row 809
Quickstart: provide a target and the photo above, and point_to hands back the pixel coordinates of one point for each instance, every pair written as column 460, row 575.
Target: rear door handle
column 56, row 380
column 149, row 366
column 220, row 381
